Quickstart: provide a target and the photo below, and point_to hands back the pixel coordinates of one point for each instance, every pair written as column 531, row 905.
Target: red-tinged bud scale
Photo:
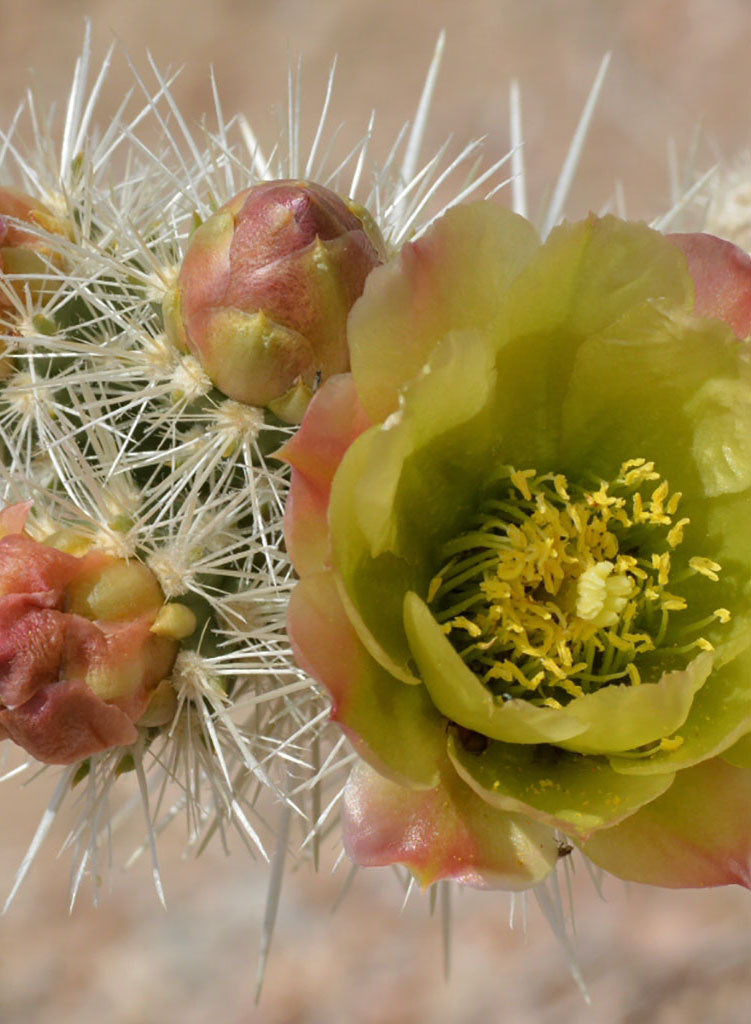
column 79, row 655
column 265, row 289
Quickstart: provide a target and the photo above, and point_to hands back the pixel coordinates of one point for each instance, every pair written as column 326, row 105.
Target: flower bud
column 25, row 252
column 265, row 288
column 79, row 659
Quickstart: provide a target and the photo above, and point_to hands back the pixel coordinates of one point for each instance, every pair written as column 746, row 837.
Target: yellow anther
column 722, row 614
column 659, row 494
column 435, row 586
column 703, row 644
column 706, row 567
column 633, row 673
column 670, row 743
column 462, row 622
column 570, row 687
column 662, row 564
column 673, row 503
column 641, row 472
column 621, row 643
column 549, row 601
column 675, row 536
column 559, row 482
column 519, row 479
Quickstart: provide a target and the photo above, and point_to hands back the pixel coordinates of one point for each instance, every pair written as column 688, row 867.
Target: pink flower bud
column 78, row 658
column 265, row 288
column 25, row 252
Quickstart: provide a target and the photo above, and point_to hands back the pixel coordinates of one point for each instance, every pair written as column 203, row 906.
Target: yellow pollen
column 673, row 503
column 556, row 590
column 519, row 480
column 706, row 567
column 662, row 564
column 675, row 535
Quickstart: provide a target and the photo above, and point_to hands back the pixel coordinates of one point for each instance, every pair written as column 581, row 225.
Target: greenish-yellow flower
column 521, row 527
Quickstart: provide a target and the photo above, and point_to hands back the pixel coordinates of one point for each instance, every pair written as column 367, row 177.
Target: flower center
column 557, row 590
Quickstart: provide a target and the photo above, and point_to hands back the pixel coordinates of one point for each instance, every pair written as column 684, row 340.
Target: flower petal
column 740, row 753
column 442, row 833
column 404, row 736
column 722, row 278
column 333, row 420
column 461, row 697
column 306, row 529
column 720, row 715
column 590, row 274
column 571, row 792
column 405, row 486
column 697, row 834
column 673, row 390
column 453, row 278
column 625, row 717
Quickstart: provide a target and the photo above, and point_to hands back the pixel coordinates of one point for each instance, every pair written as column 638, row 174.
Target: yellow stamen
column 541, row 602
column 435, row 586
column 706, row 567
column 675, row 536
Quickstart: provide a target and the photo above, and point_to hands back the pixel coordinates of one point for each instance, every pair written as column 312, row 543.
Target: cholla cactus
column 116, row 436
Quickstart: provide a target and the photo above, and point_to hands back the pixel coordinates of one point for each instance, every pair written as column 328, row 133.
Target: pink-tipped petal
column 405, row 734
column 333, row 420
column 722, row 279
column 696, row 835
column 453, row 278
column 442, row 833
column 306, row 526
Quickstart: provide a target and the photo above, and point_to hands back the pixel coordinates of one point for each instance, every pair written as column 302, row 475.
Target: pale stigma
column 601, row 596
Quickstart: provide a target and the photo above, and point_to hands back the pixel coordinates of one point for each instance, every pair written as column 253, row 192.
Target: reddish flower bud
column 265, row 288
column 25, row 252
column 78, row 656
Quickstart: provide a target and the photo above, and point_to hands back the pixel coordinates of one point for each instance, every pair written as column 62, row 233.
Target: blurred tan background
column 648, row 956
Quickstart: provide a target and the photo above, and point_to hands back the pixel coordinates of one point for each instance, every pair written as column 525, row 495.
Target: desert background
column 646, row 955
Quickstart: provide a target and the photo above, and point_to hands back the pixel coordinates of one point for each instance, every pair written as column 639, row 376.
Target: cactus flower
column 24, row 254
column 265, row 288
column 521, row 528
column 81, row 644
